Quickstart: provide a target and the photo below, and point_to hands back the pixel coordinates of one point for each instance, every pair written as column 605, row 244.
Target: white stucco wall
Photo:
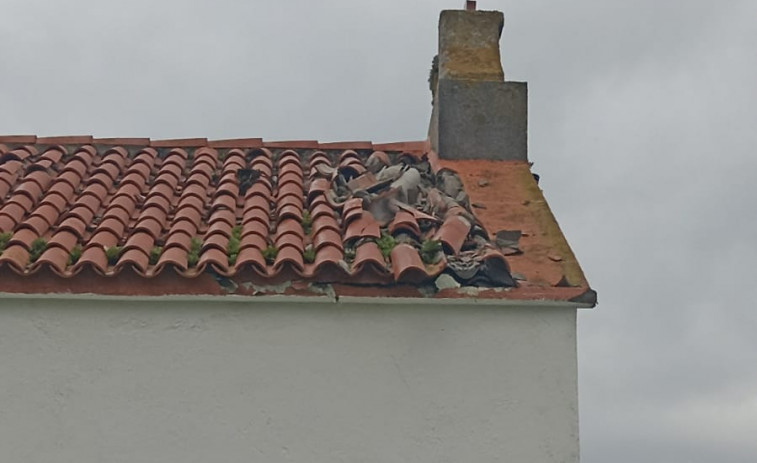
column 107, row 381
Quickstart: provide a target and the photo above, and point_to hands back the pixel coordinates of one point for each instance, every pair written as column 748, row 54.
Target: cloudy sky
column 642, row 126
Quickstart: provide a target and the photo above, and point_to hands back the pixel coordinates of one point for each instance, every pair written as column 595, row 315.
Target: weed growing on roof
column 112, row 253
column 74, row 254
column 430, row 250
column 270, row 253
column 37, row 248
column 385, row 244
column 194, row 251
column 349, row 253
column 155, row 253
column 307, row 222
column 4, row 238
column 232, row 249
column 309, row 255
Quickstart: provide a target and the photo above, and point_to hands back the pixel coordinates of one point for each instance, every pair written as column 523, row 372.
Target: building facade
column 293, row 301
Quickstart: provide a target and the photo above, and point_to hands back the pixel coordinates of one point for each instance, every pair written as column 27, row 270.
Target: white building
column 246, row 300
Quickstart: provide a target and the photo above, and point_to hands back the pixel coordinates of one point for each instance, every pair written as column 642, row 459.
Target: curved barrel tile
column 407, row 265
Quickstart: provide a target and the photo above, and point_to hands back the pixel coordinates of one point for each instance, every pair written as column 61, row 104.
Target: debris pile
column 413, row 206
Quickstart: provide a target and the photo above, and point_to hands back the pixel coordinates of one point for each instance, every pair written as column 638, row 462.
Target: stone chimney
column 477, row 114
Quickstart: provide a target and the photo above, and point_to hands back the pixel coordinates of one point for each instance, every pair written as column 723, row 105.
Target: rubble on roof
column 417, row 208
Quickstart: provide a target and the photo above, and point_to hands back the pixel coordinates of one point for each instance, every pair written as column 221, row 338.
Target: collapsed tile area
column 351, row 214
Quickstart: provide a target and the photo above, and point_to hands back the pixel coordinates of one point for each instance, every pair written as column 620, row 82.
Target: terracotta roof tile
column 179, row 143
column 237, row 143
column 176, row 256
column 407, row 265
column 54, row 257
column 102, row 238
column 422, row 146
column 16, row 256
column 24, row 237
column 404, row 221
column 122, row 141
column 65, row 140
column 347, row 145
column 294, row 144
column 453, row 233
column 174, row 210
column 22, row 139
column 93, row 256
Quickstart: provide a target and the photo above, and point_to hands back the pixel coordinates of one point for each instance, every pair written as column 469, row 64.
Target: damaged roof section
column 419, row 220
column 246, row 211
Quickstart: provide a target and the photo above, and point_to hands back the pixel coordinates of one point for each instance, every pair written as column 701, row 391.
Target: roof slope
column 135, row 216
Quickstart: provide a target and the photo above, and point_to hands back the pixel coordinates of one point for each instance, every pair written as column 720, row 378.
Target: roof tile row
column 240, row 143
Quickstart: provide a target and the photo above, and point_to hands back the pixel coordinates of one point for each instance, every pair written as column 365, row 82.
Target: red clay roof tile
column 407, row 264
column 122, row 141
column 65, row 140
column 54, row 257
column 237, row 143
column 93, row 256
column 135, row 256
column 16, row 210
column 251, row 255
column 404, row 221
column 22, row 139
column 215, row 257
column 402, row 146
column 326, row 237
column 24, row 237
column 453, row 233
column 253, row 240
column 347, row 145
column 38, row 224
column 180, row 235
column 6, row 223
column 176, row 256
column 294, row 144
column 16, row 256
column 179, row 143
column 103, row 238
column 365, row 226
column 328, row 254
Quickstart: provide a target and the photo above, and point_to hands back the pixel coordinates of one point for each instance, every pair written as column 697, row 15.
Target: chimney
column 477, row 114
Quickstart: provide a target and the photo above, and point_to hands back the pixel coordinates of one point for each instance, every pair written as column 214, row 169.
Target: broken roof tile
column 453, row 233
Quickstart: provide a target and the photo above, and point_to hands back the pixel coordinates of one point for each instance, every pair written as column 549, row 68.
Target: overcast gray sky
column 642, row 125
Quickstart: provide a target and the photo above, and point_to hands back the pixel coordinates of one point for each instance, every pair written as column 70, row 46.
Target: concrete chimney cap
column 469, row 45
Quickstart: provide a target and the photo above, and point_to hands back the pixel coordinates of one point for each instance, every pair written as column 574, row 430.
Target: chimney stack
column 477, row 114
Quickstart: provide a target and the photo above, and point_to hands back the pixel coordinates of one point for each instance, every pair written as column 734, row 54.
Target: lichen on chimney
column 433, row 77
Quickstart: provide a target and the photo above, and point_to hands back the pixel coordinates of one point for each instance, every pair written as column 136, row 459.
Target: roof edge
column 284, row 298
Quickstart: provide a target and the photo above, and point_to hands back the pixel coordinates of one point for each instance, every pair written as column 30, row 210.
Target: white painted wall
column 106, row 381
